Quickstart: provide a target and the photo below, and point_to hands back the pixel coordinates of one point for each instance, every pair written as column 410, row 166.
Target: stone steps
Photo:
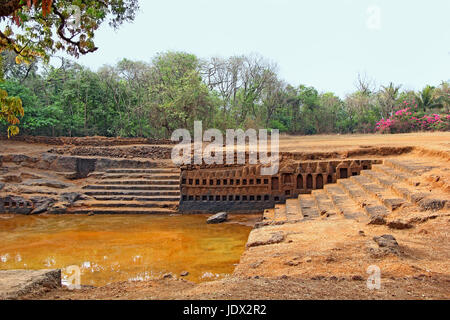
column 174, row 199
column 345, row 206
column 401, row 189
column 308, row 206
column 269, row 215
column 383, row 195
column 144, row 171
column 132, row 187
column 280, row 213
column 397, row 175
column 293, row 211
column 127, row 211
column 359, row 195
column 375, row 193
column 148, row 182
column 407, row 188
column 132, row 193
column 136, row 176
column 129, row 204
column 324, row 204
column 412, row 167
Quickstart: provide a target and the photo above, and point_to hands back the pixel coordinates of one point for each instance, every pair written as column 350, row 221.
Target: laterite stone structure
column 206, row 189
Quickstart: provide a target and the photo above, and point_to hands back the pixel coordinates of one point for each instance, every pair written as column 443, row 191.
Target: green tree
column 43, row 27
column 39, row 28
column 388, row 99
column 426, row 99
column 442, row 94
column 177, row 94
column 11, row 109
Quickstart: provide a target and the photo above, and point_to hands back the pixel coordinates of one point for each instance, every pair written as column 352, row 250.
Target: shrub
column 409, row 119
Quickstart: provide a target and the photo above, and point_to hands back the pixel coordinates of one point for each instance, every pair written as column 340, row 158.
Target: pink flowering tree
column 410, row 117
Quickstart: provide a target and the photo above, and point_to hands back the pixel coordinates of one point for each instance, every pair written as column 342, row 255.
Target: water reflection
column 124, row 248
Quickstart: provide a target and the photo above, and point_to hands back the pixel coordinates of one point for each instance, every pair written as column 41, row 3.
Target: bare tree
column 365, row 84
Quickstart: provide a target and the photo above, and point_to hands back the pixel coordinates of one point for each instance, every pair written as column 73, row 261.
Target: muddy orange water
column 124, row 248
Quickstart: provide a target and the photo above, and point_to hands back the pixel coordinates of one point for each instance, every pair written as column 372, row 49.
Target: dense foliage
column 411, row 118
column 34, row 29
column 140, row 99
column 39, row 28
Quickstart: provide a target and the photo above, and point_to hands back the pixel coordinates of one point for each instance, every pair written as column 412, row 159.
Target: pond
column 118, row 248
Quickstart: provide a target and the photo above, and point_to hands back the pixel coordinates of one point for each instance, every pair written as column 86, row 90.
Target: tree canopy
column 174, row 89
column 40, row 28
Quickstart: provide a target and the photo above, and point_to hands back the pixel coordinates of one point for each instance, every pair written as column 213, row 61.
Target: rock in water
column 218, row 218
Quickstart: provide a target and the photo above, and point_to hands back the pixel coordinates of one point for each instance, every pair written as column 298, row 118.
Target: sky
column 320, row 43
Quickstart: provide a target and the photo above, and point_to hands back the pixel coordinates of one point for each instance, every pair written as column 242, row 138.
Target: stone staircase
column 132, row 191
column 389, row 187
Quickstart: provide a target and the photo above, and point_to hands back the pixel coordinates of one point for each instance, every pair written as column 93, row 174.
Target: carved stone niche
column 300, row 182
column 366, row 164
column 355, row 168
column 320, row 183
column 309, row 181
column 342, row 171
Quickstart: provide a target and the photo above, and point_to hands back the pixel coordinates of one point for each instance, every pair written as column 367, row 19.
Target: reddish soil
column 322, row 259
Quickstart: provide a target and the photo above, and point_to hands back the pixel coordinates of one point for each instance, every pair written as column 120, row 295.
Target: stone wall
column 206, row 189
column 17, row 205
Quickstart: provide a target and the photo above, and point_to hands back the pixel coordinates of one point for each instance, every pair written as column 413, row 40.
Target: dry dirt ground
column 319, row 259
column 320, row 143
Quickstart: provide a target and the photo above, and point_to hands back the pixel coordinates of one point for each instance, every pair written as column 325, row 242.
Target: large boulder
column 386, row 245
column 377, row 220
column 386, row 241
column 218, row 218
column 17, row 283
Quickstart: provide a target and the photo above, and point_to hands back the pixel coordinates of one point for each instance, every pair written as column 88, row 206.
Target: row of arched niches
column 216, row 183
